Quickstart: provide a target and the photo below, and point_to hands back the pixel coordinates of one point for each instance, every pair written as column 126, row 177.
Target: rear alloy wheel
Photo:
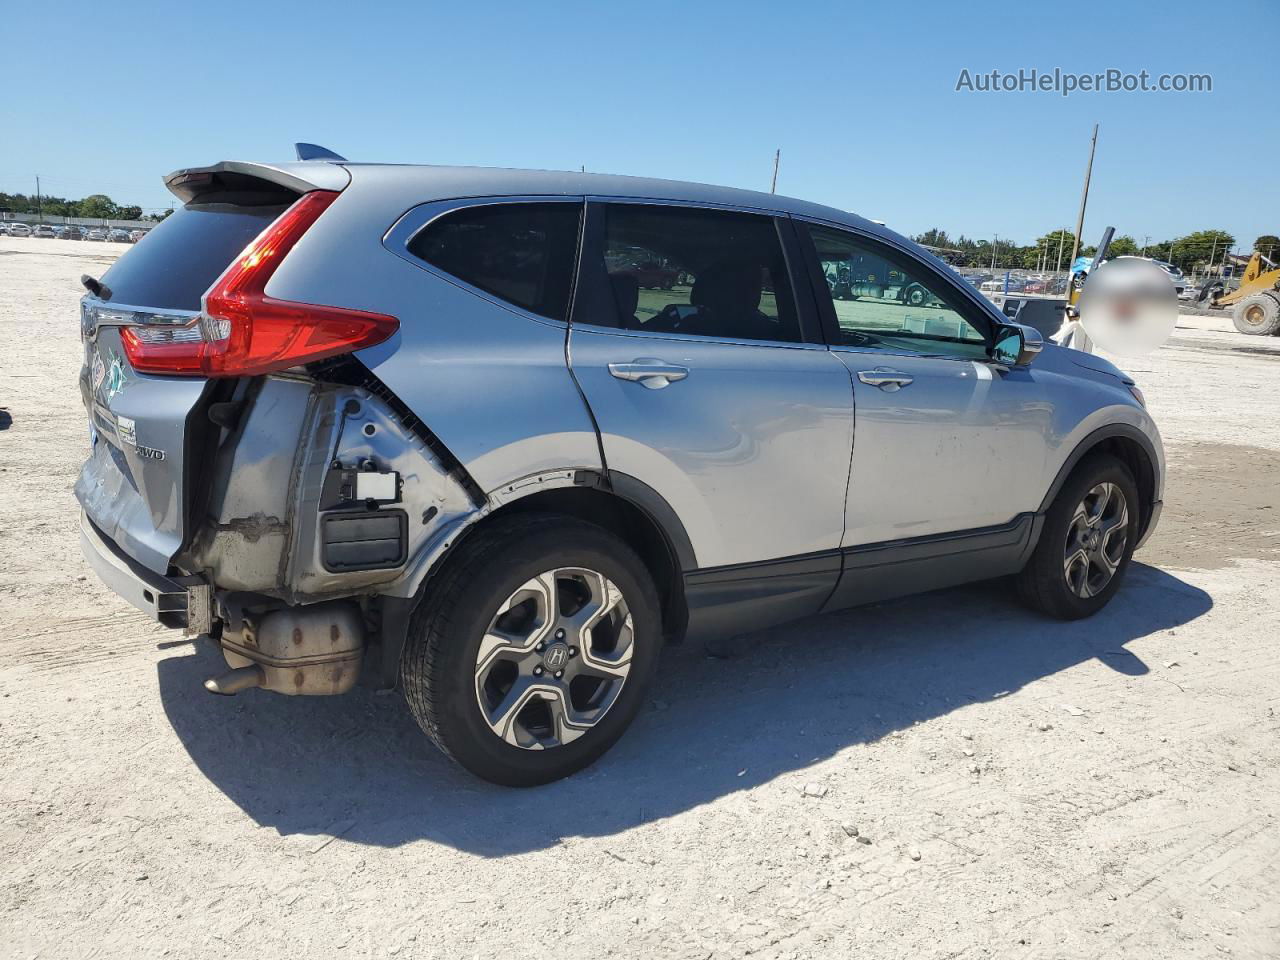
column 1086, row 543
column 531, row 651
column 554, row 658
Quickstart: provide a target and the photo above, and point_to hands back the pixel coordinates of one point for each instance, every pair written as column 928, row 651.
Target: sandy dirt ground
column 939, row 777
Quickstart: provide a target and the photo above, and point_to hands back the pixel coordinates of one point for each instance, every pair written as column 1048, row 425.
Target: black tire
column 1043, row 584
column 438, row 667
column 1258, row 314
column 915, row 296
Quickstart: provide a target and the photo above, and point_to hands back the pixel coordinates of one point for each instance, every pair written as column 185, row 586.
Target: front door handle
column 885, row 379
column 654, row 374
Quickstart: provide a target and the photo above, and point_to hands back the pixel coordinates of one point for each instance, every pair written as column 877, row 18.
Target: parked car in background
column 44, row 230
column 72, row 232
column 137, row 235
column 4, row 229
column 509, row 537
column 117, row 235
column 96, row 233
column 19, row 230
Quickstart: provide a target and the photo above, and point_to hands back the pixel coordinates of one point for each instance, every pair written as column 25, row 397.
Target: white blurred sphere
column 1128, row 306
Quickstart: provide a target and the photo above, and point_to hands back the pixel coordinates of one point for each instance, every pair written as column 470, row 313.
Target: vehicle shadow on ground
column 357, row 766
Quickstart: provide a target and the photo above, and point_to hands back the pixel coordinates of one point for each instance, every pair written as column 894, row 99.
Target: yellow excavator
column 1255, row 304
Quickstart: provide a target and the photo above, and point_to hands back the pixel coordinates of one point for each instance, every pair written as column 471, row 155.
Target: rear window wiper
column 95, row 286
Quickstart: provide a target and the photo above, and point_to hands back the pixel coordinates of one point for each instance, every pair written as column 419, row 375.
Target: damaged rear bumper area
column 318, row 502
column 184, row 602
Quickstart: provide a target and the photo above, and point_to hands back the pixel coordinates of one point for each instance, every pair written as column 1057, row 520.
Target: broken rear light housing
column 242, row 332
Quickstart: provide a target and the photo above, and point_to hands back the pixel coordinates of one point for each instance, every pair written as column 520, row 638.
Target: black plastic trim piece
column 937, row 545
column 894, row 568
column 1107, row 432
column 652, row 503
column 797, row 260
column 745, row 597
column 381, row 537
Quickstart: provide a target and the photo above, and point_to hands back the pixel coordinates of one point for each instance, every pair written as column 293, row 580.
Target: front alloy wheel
column 1086, row 541
column 554, row 658
column 1096, row 540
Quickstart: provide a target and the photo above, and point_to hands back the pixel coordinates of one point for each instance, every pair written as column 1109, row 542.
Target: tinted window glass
column 182, row 257
column 521, row 252
column 885, row 301
column 703, row 272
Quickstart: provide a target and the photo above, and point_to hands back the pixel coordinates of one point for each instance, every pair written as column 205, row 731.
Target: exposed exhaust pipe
column 312, row 650
column 233, row 681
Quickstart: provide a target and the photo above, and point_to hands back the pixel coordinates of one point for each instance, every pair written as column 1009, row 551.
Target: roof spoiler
column 236, row 181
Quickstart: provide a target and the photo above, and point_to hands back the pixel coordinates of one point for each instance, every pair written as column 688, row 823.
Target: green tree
column 1268, row 245
column 98, row 205
column 1053, row 242
column 1200, row 249
column 934, row 238
column 128, row 213
column 1123, row 247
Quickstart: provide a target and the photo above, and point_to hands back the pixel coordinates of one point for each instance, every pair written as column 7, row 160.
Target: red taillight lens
column 243, row 332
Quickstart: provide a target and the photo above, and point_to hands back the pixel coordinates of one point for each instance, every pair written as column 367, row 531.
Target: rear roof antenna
column 313, row 151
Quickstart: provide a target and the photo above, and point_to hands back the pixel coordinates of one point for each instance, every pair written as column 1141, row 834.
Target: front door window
column 884, row 301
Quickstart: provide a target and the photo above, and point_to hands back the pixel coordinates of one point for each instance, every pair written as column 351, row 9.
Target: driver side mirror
column 1016, row 345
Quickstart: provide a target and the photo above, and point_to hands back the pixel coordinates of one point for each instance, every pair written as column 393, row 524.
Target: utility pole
column 995, row 239
column 1084, row 196
column 1145, row 241
column 39, row 206
column 777, row 157
column 1062, row 237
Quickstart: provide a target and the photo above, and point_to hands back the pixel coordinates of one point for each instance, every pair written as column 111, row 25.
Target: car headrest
column 626, row 293
column 730, row 289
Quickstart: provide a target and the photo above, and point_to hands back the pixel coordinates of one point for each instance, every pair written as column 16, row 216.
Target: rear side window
column 704, row 272
column 185, row 254
column 523, row 253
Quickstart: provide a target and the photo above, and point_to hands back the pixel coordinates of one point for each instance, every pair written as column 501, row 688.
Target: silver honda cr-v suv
column 493, row 436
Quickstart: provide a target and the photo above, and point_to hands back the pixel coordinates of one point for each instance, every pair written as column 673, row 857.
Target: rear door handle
column 654, row 374
column 885, row 379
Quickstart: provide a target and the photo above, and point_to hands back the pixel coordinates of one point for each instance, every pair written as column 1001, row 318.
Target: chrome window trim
column 694, row 337
column 417, row 219
column 792, row 274
column 872, row 352
column 696, row 204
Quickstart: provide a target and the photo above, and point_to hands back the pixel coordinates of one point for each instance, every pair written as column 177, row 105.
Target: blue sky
column 860, row 97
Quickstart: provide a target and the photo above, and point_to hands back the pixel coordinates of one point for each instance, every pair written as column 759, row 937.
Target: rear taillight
column 242, row 332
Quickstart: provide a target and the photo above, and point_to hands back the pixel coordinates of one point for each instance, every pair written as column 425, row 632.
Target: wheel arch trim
column 395, row 610
column 1115, row 431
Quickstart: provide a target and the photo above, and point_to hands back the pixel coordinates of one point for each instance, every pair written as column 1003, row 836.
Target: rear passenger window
column 706, row 272
column 522, row 253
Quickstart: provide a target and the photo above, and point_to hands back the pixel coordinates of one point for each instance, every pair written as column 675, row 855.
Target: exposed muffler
column 298, row 651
